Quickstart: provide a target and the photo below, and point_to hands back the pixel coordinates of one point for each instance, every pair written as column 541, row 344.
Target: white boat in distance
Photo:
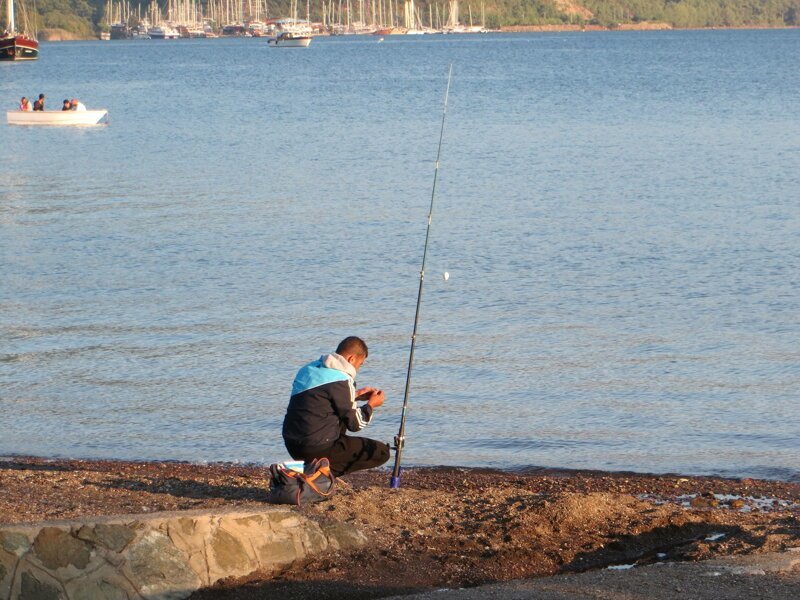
column 290, row 40
column 163, row 33
column 57, row 117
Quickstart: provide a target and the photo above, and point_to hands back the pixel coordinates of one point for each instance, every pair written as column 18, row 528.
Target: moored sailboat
column 17, row 45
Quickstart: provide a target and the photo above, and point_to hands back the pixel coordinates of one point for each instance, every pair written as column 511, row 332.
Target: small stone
column 57, row 549
column 106, row 586
column 342, row 536
column 746, row 570
column 737, row 504
column 157, row 567
column 228, row 552
column 32, row 588
column 114, row 537
column 15, row 543
column 276, row 553
column 702, row 502
column 8, row 564
column 86, row 533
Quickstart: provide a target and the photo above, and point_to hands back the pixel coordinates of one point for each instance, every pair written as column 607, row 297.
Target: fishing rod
column 400, row 438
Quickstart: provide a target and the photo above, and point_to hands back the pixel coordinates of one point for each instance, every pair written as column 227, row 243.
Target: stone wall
column 158, row 556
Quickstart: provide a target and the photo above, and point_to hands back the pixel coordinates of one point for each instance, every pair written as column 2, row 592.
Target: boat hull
column 58, row 117
column 390, row 31
column 19, row 47
column 163, row 33
column 298, row 42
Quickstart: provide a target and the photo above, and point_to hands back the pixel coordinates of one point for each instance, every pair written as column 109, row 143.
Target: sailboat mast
column 10, row 12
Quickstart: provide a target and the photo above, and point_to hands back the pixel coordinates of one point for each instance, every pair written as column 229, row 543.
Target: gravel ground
column 446, row 527
column 705, row 580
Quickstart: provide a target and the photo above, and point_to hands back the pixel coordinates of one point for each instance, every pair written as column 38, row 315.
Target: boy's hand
column 364, row 394
column 376, row 399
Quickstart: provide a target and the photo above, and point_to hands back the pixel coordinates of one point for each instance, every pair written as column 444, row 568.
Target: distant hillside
column 611, row 13
column 698, row 13
column 78, row 17
column 84, row 18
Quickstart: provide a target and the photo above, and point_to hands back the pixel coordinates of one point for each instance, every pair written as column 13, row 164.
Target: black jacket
column 323, row 405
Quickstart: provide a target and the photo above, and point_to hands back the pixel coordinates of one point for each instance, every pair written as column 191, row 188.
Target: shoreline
column 43, row 489
column 445, row 526
column 47, row 35
column 641, row 26
column 522, row 470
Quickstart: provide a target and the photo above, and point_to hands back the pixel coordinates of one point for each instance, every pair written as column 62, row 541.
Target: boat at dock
column 390, row 31
column 163, row 32
column 120, row 31
column 58, row 117
column 17, row 45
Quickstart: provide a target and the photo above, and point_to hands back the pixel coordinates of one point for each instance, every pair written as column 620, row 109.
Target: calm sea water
column 618, row 213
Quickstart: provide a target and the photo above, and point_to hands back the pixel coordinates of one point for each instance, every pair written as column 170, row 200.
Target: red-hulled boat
column 15, row 45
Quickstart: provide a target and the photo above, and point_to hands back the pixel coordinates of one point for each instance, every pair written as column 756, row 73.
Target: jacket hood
column 338, row 362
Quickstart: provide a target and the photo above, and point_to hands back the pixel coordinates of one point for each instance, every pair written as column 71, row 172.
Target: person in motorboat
column 24, row 104
column 67, row 105
column 39, row 104
column 77, row 104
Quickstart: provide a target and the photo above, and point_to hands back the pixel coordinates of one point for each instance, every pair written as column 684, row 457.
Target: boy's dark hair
column 353, row 345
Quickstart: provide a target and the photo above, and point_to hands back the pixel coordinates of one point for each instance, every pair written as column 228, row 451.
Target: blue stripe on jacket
column 315, row 374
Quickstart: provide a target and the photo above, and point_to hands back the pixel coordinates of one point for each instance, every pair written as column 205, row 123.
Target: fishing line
column 400, row 438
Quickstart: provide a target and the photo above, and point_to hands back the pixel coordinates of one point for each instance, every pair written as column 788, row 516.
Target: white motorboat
column 290, row 40
column 57, row 117
column 163, row 33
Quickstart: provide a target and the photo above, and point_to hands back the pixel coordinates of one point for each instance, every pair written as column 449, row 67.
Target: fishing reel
column 399, row 442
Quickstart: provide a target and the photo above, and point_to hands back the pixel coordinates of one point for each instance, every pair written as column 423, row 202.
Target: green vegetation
column 76, row 16
column 611, row 13
column 86, row 17
column 698, row 13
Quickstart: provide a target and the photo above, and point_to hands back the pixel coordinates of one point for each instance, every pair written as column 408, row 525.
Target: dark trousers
column 347, row 454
